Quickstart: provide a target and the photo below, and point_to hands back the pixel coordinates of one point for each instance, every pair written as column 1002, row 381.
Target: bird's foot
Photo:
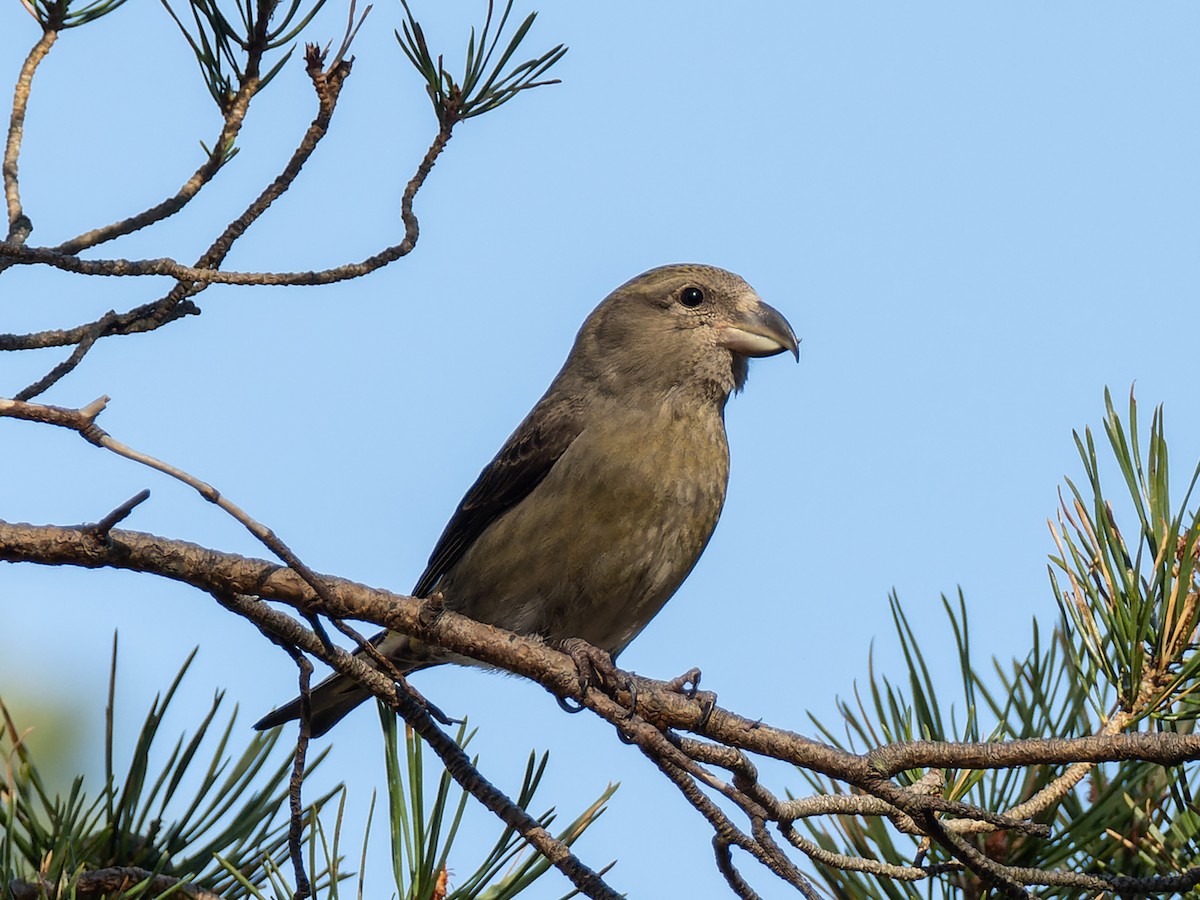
column 688, row 684
column 595, row 666
column 431, row 609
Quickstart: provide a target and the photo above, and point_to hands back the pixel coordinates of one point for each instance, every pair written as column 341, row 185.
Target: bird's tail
column 332, row 699
column 337, row 695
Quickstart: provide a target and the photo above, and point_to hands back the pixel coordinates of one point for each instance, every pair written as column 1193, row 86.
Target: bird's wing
column 518, row 468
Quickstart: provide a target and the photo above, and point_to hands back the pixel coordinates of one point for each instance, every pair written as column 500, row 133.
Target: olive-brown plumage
column 601, row 502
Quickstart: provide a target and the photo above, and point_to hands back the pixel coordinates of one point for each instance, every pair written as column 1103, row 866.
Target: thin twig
column 295, row 785
column 97, row 330
column 993, row 874
column 104, row 526
column 134, row 321
column 684, row 772
column 894, row 758
column 19, row 225
column 234, row 115
column 732, row 876
column 859, row 864
column 231, row 126
column 328, row 86
column 203, row 275
column 84, row 422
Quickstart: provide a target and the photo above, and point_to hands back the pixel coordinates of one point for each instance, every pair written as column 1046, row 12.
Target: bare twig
column 177, row 303
column 231, row 126
column 83, row 421
column 164, row 266
column 135, row 321
column 859, row 864
column 328, row 85
column 1052, row 793
column 19, row 225
column 729, row 871
column 104, row 526
column 296, row 784
column 95, row 332
column 234, row 109
column 1143, row 745
column 204, row 275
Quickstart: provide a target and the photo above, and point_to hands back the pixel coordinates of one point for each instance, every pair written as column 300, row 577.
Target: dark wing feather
column 525, row 459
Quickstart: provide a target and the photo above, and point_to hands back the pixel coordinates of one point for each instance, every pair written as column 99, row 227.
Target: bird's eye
column 691, row 297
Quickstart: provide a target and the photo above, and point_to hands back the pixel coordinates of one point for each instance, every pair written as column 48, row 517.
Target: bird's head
column 680, row 326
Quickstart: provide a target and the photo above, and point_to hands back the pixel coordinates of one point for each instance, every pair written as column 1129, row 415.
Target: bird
column 600, row 503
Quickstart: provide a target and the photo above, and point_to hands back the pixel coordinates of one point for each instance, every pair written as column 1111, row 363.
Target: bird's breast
column 607, row 537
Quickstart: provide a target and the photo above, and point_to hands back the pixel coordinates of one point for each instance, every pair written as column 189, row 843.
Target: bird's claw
column 688, row 684
column 591, row 663
column 632, row 689
column 594, row 667
column 708, row 702
column 569, row 705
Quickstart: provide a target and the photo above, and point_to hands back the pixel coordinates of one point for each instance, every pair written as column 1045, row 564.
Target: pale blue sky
column 976, row 216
